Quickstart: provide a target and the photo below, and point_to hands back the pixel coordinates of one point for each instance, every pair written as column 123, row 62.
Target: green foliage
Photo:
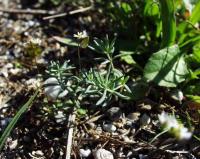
column 104, row 46
column 194, row 98
column 105, row 85
column 166, row 67
column 66, row 41
column 168, row 22
column 32, row 49
column 98, row 85
column 15, row 119
column 195, row 17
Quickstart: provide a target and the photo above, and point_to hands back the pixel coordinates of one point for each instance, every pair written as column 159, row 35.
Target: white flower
column 184, row 133
column 170, row 123
column 81, row 35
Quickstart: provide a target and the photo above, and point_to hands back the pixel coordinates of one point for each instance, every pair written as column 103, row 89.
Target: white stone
column 103, row 154
column 109, row 127
column 85, row 152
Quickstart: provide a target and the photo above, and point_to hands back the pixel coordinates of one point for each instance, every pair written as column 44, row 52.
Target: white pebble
column 84, row 152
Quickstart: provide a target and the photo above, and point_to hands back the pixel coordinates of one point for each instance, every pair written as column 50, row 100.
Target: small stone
column 114, row 113
column 133, row 131
column 92, row 125
column 177, row 95
column 13, row 144
column 52, row 87
column 141, row 156
column 133, row 116
column 129, row 154
column 85, row 152
column 122, row 131
column 126, row 139
column 15, row 71
column 98, row 130
column 5, row 122
column 145, row 120
column 37, row 154
column 103, row 154
column 146, row 107
column 109, row 128
column 60, row 117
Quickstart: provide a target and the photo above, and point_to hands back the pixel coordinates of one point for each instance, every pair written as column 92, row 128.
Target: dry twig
column 70, row 13
column 71, row 121
column 26, row 11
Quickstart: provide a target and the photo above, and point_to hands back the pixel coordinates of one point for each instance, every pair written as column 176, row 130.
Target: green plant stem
column 161, row 133
column 79, row 57
column 168, row 22
column 11, row 125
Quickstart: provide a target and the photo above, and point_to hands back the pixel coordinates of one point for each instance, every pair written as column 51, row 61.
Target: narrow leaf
column 66, row 41
column 11, row 125
column 168, row 22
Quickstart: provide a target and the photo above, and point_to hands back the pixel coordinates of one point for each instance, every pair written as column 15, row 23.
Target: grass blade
column 195, row 17
column 168, row 22
column 11, row 125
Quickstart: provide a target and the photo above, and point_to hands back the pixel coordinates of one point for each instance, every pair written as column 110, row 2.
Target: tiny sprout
column 174, row 127
column 33, row 48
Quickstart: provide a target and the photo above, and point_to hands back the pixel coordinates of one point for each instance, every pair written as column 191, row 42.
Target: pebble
column 38, row 154
column 60, row 117
column 129, row 154
column 52, row 88
column 109, row 128
column 133, row 131
column 98, row 130
column 133, row 116
column 114, row 113
column 15, row 71
column 141, row 156
column 92, row 125
column 103, row 154
column 177, row 95
column 85, row 152
column 5, row 122
column 146, row 107
column 13, row 144
column 145, row 120
column 122, row 131
column 127, row 139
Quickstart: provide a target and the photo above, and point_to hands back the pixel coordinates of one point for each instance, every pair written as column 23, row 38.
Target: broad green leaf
column 195, row 17
column 166, row 67
column 66, row 41
column 11, row 125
